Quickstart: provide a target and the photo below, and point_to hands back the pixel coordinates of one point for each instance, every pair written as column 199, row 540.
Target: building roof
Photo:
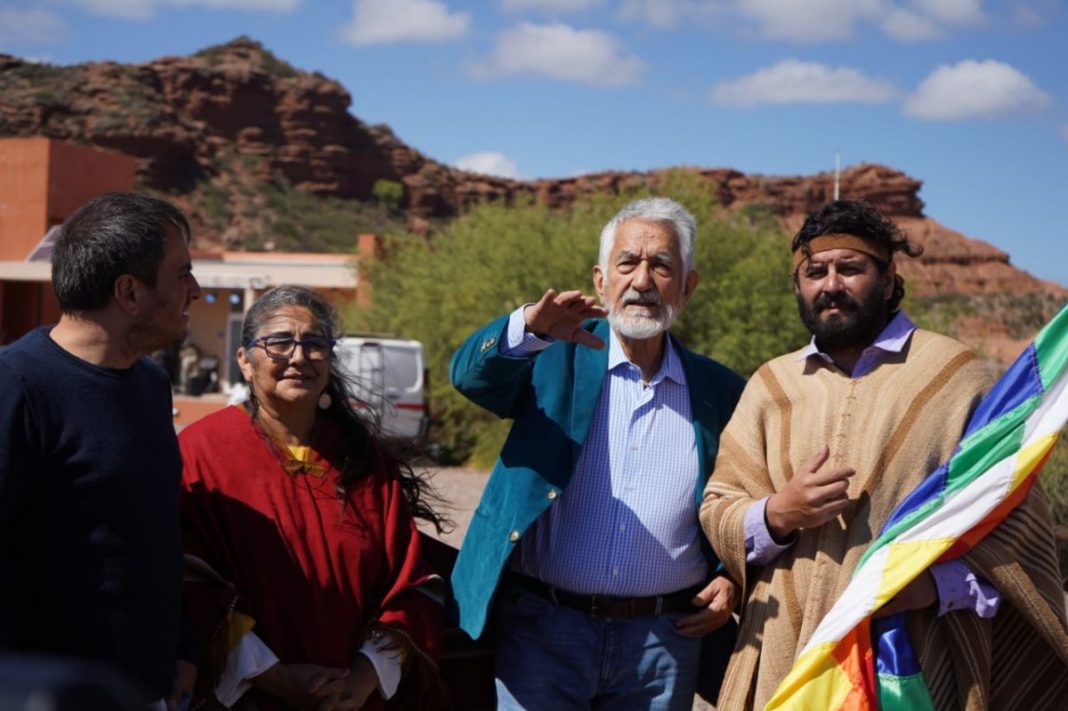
column 232, row 270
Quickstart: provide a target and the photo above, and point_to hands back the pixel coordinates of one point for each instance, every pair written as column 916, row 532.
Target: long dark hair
column 359, row 433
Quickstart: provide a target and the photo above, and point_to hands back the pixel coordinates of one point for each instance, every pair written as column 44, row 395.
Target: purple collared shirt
column 958, row 587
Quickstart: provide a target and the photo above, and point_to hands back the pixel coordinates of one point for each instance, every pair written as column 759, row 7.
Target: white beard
column 642, row 327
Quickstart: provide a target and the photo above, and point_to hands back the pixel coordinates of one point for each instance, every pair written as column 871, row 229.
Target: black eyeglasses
column 316, row 348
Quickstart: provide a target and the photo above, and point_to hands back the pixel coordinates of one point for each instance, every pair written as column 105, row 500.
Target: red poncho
column 312, row 570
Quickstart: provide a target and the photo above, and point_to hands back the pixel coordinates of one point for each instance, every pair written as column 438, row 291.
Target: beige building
column 42, row 182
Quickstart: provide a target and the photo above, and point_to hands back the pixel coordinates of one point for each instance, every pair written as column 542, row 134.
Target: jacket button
column 513, row 536
column 552, row 494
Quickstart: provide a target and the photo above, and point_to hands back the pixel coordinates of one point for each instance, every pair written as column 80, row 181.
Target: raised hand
column 560, row 315
column 811, row 498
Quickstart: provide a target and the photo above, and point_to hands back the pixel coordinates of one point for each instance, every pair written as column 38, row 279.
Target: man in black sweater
column 90, row 554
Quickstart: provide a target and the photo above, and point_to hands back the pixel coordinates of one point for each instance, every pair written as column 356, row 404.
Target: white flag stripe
column 841, row 618
column 1051, row 414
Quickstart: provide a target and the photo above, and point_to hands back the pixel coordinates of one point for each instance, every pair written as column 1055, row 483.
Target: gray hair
column 653, row 209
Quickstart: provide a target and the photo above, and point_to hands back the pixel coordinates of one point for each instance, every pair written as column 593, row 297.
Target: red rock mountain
column 236, row 109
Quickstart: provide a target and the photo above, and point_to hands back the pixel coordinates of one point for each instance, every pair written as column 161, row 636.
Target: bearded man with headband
column 591, row 511
column 824, row 445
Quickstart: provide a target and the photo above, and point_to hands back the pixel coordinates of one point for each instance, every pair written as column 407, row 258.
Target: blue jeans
column 550, row 657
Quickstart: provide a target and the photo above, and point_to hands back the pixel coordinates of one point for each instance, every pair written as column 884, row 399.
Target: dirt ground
column 460, row 490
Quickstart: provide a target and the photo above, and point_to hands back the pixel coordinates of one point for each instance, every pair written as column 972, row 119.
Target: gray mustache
column 633, row 296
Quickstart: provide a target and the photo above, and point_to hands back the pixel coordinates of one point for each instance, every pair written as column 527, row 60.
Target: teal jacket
column 551, row 397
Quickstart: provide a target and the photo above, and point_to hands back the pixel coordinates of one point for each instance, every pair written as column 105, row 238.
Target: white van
column 391, row 377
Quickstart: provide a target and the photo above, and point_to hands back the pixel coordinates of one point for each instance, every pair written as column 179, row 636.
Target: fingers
column 818, row 460
column 560, row 314
column 580, row 305
column 701, row 622
column 705, row 596
column 330, row 691
column 841, row 475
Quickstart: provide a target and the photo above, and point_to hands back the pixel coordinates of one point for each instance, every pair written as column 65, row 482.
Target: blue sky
column 970, row 96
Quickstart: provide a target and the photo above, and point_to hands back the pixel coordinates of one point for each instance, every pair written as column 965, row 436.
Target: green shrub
column 388, row 193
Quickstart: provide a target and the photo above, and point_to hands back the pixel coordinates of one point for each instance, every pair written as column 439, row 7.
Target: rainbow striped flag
column 849, row 665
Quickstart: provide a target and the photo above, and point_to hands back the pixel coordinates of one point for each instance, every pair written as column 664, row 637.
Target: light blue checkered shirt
column 627, row 524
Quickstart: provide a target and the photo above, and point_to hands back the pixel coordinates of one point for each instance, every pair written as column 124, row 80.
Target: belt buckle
column 595, row 608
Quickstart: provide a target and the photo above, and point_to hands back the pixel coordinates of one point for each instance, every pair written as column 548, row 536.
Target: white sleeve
column 250, row 658
column 517, row 342
column 386, row 661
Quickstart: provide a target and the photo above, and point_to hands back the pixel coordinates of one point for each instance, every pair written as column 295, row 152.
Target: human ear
column 891, row 281
column 127, row 294
column 598, row 281
column 692, row 280
column 244, row 363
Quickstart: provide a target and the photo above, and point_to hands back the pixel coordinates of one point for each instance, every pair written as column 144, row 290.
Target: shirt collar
column 670, row 368
column 891, row 339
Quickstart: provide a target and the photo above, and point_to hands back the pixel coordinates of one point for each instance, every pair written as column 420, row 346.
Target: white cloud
column 144, row 9
column 795, row 82
column 908, row 26
column 490, row 163
column 668, row 14
column 562, row 52
column 30, row 26
column 381, row 21
column 805, row 20
column 953, row 12
column 831, row 20
column 971, row 89
column 553, row 6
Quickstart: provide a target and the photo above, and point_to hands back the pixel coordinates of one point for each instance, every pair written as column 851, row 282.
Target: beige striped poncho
column 894, row 426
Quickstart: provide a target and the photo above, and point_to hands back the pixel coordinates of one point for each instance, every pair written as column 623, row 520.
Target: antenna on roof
column 837, row 171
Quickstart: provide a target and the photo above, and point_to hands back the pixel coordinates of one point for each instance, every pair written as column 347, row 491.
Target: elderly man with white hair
column 586, row 543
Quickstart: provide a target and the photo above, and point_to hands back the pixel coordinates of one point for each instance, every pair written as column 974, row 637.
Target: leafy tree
column 388, row 193
column 495, row 258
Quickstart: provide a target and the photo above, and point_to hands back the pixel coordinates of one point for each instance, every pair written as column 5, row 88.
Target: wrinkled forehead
column 645, row 237
column 291, row 320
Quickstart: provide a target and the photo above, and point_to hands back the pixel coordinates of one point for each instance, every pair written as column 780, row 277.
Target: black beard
column 857, row 324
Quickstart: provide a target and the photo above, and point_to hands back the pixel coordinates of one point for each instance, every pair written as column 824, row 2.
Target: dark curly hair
column 859, row 218
column 359, row 432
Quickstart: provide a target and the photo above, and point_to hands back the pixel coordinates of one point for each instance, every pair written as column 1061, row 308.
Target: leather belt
column 609, row 607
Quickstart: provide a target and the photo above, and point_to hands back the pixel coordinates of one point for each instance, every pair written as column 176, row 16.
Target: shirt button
column 622, row 527
column 552, row 495
column 513, row 536
column 615, row 571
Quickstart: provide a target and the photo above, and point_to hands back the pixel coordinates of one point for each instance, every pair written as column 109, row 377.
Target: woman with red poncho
column 305, row 578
